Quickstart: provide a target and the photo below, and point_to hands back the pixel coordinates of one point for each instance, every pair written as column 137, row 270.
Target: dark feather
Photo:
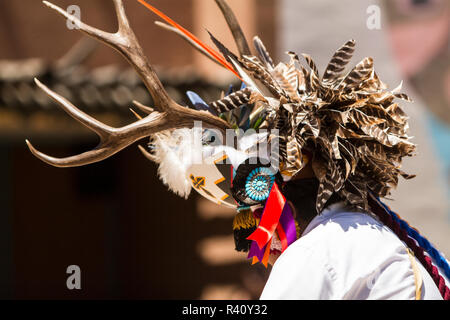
column 232, row 101
column 262, row 52
column 224, row 50
column 358, row 74
column 339, row 60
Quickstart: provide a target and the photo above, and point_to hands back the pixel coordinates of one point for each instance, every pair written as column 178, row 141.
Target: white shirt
column 346, row 255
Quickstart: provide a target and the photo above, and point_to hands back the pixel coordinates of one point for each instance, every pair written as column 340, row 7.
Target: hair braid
column 395, row 226
column 422, row 241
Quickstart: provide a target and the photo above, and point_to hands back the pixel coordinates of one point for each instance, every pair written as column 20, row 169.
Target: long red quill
column 212, row 52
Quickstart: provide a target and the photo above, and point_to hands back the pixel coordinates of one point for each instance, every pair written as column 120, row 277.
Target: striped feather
column 257, row 70
column 358, row 74
column 360, row 118
column 352, row 198
column 335, row 146
column 262, row 52
column 381, row 97
column 380, row 135
column 326, row 190
column 396, row 113
column 311, row 124
column 370, row 85
column 291, row 74
column 305, row 85
column 403, row 97
column 314, row 76
column 224, row 50
column 372, row 149
column 232, row 101
column 297, row 78
column 350, row 153
column 288, row 87
column 339, row 61
column 294, row 154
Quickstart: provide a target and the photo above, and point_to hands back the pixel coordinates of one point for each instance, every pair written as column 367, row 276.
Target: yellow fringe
column 244, row 220
column 297, row 228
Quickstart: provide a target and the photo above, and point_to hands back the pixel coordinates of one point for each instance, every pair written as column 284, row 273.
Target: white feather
column 174, row 152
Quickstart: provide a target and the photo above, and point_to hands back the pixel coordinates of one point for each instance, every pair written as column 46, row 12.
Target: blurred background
column 131, row 237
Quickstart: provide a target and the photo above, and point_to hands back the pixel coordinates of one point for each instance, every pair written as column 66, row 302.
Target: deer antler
column 167, row 115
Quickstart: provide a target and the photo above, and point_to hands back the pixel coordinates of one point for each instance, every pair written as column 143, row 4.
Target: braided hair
column 417, row 243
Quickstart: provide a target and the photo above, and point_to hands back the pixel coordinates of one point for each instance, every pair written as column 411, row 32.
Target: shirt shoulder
column 299, row 273
column 346, row 255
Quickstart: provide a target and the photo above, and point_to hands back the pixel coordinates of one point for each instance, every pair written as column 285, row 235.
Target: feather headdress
column 349, row 122
column 347, row 125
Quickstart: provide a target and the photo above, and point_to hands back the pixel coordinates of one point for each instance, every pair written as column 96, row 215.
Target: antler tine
column 169, row 114
column 236, row 30
column 124, row 25
column 137, row 115
column 125, row 42
column 100, row 35
column 112, row 140
column 98, row 127
column 143, row 108
column 147, row 154
column 66, row 162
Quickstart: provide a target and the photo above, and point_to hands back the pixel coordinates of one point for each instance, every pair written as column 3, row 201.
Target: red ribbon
column 269, row 220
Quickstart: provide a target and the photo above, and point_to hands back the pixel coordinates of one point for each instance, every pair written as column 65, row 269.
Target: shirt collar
column 326, row 214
